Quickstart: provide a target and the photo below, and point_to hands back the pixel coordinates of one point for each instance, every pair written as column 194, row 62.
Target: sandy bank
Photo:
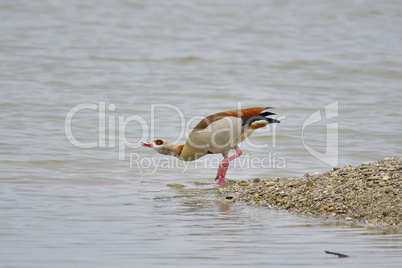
column 369, row 193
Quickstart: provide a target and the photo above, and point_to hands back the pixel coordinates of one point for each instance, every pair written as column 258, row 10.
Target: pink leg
column 224, row 165
column 236, row 155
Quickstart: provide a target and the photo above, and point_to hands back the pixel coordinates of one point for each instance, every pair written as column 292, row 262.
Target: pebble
column 243, row 183
column 388, row 189
column 257, row 180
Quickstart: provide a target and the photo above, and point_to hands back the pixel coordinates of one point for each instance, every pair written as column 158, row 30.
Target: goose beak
column 147, row 144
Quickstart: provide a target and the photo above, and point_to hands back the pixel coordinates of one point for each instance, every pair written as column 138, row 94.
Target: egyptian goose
column 217, row 133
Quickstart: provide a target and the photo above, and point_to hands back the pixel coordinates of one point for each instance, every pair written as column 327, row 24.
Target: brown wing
column 245, row 113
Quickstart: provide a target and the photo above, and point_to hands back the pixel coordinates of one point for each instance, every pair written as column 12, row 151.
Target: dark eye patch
column 158, row 142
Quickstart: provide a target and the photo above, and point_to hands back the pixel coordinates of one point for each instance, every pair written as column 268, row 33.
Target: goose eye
column 158, row 142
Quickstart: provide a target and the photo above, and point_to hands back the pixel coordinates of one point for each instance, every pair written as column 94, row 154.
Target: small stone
column 256, row 180
column 348, row 219
column 309, row 183
column 270, row 183
column 373, row 178
column 388, row 189
column 243, row 183
column 385, row 178
column 316, row 175
column 382, row 184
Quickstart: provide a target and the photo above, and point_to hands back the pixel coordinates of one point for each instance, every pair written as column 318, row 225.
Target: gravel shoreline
column 368, row 194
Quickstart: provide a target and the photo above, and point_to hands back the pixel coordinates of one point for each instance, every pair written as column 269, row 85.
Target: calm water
column 112, row 205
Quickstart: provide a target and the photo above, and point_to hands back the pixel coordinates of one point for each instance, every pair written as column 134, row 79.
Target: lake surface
column 82, row 83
